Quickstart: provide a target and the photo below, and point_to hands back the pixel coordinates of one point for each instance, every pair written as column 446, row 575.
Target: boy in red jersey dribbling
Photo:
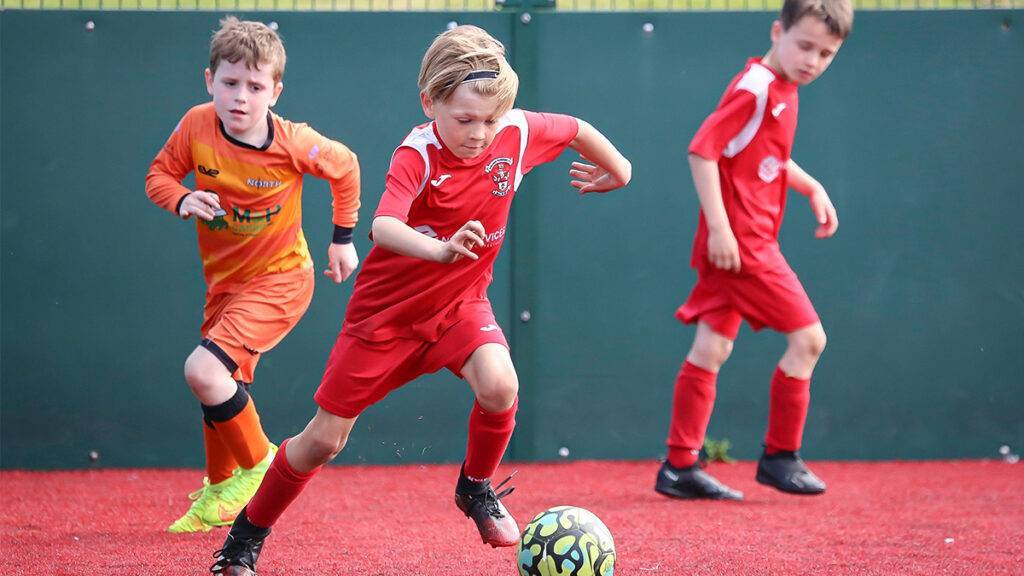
column 420, row 303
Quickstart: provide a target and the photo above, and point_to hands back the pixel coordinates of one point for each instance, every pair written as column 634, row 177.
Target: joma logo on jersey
column 255, row 183
column 501, row 168
column 211, row 172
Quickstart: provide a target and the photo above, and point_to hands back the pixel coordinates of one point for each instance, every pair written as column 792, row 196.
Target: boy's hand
column 462, row 243
column 591, row 178
column 824, row 212
column 723, row 250
column 200, row 203
column 342, row 261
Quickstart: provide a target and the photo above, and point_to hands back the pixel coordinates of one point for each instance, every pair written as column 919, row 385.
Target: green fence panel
column 102, row 292
column 914, row 131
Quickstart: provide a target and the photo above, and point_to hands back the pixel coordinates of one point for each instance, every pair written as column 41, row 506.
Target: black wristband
column 177, row 208
column 342, row 235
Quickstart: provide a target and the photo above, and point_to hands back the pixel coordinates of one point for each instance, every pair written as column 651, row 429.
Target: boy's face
column 805, row 50
column 242, row 96
column 466, row 122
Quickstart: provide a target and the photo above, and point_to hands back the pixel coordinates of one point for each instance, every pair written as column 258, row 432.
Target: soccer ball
column 566, row 540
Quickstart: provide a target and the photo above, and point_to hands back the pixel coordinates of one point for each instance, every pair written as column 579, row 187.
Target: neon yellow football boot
column 204, row 506
column 239, row 489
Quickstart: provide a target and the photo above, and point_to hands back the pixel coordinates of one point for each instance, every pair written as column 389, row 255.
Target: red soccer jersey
column 259, row 188
column 436, row 193
column 750, row 135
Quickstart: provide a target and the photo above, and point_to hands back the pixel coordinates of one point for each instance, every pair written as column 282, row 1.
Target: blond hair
column 253, row 42
column 836, row 14
column 463, row 50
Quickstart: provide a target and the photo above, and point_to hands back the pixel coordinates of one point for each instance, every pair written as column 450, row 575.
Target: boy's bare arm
column 342, row 261
column 821, row 204
column 391, row 233
column 723, row 250
column 610, row 169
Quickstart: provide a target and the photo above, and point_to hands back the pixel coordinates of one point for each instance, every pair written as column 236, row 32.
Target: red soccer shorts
column 360, row 373
column 773, row 298
column 256, row 317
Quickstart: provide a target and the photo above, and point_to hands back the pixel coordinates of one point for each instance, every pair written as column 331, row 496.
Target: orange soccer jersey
column 259, row 188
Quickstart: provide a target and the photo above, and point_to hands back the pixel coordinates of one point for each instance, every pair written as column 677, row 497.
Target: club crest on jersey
column 769, row 168
column 501, row 168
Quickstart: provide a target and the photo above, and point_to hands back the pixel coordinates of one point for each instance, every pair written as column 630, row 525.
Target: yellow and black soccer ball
column 566, row 540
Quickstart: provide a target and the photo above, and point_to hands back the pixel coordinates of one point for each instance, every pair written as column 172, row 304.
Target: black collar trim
column 270, row 135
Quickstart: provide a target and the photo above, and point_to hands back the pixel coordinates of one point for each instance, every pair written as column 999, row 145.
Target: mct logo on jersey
column 245, row 222
column 500, row 167
column 769, row 168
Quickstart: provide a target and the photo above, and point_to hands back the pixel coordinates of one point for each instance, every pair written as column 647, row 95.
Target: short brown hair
column 253, row 42
column 836, row 14
column 464, row 49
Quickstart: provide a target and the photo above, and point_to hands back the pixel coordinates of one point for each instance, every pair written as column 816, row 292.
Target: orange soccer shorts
column 252, row 319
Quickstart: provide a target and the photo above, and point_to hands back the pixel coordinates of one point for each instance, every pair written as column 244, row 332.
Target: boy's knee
column 324, row 448
column 817, row 341
column 498, row 391
column 198, row 374
column 712, row 353
column 812, row 342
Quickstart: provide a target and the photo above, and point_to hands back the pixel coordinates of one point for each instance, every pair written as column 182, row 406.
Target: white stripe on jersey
column 418, row 140
column 516, row 118
column 755, row 81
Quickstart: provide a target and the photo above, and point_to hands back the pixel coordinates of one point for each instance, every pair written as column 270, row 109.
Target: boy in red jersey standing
column 420, row 303
column 740, row 159
column 248, row 164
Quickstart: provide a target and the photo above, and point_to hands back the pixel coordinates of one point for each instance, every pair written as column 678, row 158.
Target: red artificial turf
column 893, row 518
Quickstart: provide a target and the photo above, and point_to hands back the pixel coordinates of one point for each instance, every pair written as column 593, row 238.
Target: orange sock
column 238, row 426
column 219, row 460
column 244, row 436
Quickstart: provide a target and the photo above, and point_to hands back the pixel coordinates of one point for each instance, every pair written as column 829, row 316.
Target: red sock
column 787, row 412
column 280, row 487
column 691, row 410
column 489, row 433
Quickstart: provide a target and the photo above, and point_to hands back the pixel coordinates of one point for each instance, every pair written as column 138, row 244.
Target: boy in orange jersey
column 742, row 169
column 248, row 164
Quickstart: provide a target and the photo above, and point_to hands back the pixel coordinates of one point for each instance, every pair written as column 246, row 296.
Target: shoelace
column 491, row 497
column 196, row 494
column 236, row 552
